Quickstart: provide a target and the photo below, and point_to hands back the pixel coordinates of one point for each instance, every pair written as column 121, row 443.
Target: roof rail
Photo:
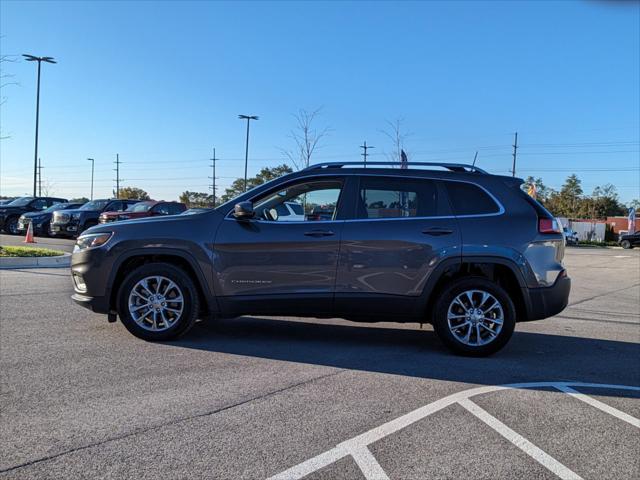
column 454, row 167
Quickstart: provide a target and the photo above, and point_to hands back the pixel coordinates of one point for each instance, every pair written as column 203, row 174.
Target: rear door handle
column 319, row 233
column 437, row 231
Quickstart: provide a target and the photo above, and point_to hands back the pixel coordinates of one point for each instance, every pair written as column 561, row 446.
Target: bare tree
column 5, row 81
column 397, row 134
column 48, row 188
column 306, row 138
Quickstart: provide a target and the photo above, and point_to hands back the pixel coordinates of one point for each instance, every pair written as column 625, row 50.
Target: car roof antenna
column 475, row 157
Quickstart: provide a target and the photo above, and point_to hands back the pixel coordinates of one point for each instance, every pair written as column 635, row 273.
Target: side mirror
column 243, row 211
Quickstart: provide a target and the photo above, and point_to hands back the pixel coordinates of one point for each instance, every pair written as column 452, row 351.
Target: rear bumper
column 549, row 301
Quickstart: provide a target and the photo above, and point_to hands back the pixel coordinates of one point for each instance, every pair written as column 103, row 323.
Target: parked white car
column 288, row 212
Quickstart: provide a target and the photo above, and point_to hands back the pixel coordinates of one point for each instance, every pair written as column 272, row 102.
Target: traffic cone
column 29, row 236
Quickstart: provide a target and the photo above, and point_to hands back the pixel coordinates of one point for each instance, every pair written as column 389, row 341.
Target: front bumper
column 37, row 227
column 548, row 301
column 70, row 229
column 95, row 304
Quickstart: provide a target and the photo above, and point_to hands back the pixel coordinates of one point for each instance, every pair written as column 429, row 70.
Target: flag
column 632, row 220
column 533, row 193
column 403, row 160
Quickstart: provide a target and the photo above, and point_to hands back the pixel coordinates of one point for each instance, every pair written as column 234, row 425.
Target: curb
column 59, row 261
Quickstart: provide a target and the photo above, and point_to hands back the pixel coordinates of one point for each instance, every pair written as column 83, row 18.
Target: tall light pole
column 31, row 58
column 248, row 118
column 92, row 165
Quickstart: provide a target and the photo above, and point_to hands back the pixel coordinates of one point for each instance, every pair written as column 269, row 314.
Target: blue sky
column 161, row 83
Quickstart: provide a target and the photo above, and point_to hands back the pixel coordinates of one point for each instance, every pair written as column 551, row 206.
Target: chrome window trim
column 501, row 209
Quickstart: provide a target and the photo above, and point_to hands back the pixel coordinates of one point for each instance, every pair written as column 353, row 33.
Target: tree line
column 571, row 201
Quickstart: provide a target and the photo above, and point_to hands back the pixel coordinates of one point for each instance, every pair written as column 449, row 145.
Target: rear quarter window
column 470, row 199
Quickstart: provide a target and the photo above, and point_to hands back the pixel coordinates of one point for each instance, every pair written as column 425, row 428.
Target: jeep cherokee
column 464, row 250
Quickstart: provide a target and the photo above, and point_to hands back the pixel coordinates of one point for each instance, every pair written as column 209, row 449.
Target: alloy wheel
column 475, row 317
column 156, row 303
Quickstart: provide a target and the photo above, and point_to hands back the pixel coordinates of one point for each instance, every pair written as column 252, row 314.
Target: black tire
column 448, row 295
column 44, row 230
column 11, row 226
column 189, row 292
column 626, row 244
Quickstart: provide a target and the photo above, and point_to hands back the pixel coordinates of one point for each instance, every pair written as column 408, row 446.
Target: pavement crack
column 171, row 422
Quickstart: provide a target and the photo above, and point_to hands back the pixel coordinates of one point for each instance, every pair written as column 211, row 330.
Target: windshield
column 20, row 202
column 140, row 207
column 57, row 206
column 95, row 205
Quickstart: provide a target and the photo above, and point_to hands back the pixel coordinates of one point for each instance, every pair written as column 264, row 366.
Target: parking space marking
column 357, row 446
column 368, row 464
column 519, row 441
column 601, row 406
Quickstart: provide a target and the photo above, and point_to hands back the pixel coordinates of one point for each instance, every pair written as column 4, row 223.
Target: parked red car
column 148, row 208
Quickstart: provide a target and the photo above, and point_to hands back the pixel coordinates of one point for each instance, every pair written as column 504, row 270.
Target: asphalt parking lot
column 254, row 398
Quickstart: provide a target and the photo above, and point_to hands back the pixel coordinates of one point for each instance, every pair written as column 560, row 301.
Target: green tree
column 606, row 202
column 265, row 175
column 635, row 203
column 568, row 201
column 132, row 193
column 196, row 199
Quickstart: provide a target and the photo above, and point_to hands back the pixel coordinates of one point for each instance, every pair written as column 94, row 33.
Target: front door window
column 302, row 202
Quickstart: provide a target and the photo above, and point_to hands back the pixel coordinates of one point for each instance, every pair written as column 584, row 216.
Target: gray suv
column 445, row 244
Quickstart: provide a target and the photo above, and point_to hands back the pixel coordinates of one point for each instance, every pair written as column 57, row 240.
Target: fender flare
column 173, row 252
column 443, row 266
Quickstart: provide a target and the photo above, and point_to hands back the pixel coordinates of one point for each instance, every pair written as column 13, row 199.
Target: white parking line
column 370, row 467
column 357, row 446
column 601, row 406
column 522, row 443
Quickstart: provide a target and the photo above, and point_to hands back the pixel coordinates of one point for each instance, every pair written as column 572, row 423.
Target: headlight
column 91, row 240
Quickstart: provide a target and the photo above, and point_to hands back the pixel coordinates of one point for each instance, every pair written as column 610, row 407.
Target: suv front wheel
column 158, row 301
column 474, row 316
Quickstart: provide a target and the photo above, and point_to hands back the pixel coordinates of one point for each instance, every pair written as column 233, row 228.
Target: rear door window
column 469, row 199
column 386, row 197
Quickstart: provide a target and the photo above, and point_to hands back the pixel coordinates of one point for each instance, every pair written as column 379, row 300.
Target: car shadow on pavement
column 529, row 357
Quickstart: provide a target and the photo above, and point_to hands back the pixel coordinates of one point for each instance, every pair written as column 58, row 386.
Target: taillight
column 548, row 225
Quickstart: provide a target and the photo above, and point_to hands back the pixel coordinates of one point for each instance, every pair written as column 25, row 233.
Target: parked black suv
column 10, row 213
column 467, row 251
column 629, row 240
column 70, row 223
column 41, row 220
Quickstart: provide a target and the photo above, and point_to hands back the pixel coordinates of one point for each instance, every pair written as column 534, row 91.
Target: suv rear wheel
column 158, row 301
column 474, row 316
column 626, row 244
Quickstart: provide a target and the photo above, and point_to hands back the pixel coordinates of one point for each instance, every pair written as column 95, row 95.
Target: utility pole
column 515, row 154
column 117, row 170
column 365, row 147
column 39, row 177
column 92, row 165
column 213, row 178
column 32, row 58
column 248, row 118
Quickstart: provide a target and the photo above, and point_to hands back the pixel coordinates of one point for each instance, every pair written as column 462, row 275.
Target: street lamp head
column 248, row 117
column 90, row 159
column 33, row 58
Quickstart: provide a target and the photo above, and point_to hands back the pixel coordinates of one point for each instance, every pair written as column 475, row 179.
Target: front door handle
column 319, row 233
column 437, row 231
